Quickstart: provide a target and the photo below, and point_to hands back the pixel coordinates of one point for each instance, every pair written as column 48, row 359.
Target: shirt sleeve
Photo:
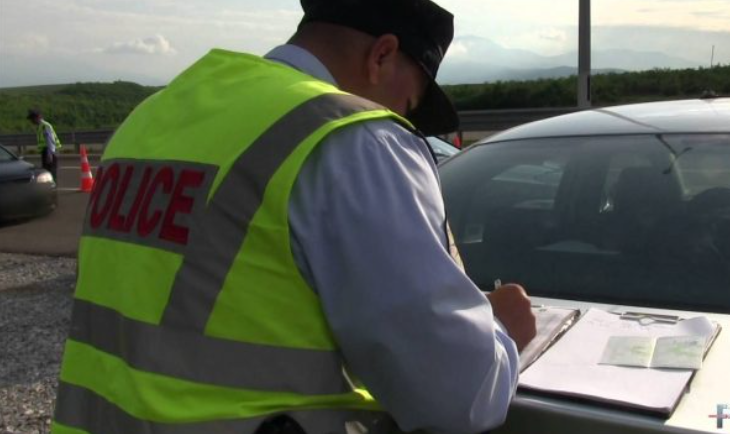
column 367, row 221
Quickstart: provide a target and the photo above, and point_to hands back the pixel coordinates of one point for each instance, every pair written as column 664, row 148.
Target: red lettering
column 98, row 216
column 141, row 190
column 116, row 221
column 165, row 178
column 180, row 204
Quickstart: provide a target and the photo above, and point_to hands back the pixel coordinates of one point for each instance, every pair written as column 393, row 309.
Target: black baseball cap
column 33, row 114
column 424, row 30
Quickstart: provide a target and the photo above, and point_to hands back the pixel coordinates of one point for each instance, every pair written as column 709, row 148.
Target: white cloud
column 83, row 32
column 547, row 41
column 25, row 43
column 154, row 45
column 680, row 14
column 458, row 49
column 553, row 35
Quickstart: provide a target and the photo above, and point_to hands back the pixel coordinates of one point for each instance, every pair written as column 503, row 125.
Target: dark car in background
column 25, row 190
column 620, row 209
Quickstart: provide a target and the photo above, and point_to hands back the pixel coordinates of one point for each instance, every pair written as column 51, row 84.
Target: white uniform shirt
column 48, row 135
column 367, row 220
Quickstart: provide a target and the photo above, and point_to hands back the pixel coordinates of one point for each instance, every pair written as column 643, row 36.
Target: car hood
column 15, row 171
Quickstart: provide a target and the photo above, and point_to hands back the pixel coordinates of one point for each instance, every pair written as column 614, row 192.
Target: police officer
column 47, row 141
column 266, row 249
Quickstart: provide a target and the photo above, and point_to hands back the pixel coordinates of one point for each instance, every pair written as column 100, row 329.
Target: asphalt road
column 56, row 234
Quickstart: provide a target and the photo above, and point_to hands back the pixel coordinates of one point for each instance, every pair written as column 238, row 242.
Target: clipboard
column 571, row 369
column 551, row 323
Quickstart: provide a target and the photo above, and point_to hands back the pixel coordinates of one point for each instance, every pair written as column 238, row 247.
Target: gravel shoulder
column 35, row 311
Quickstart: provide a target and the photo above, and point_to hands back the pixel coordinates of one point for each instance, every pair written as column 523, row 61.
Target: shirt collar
column 302, row 60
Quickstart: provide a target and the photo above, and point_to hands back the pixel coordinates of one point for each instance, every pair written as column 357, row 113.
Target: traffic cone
column 87, row 179
column 457, row 140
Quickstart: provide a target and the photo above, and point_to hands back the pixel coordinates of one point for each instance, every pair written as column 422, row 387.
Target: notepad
column 678, row 352
column 571, row 367
column 550, row 323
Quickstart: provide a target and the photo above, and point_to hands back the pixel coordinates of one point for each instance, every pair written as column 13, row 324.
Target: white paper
column 697, row 326
column 571, row 366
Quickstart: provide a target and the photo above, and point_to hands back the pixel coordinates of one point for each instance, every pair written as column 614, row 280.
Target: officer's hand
column 512, row 308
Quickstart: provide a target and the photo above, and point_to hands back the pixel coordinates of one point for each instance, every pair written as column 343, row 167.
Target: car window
column 703, row 162
column 617, row 164
column 441, row 148
column 5, row 155
column 545, row 173
column 625, row 219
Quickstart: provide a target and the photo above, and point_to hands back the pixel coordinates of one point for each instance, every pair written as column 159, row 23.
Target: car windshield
column 5, row 155
column 641, row 220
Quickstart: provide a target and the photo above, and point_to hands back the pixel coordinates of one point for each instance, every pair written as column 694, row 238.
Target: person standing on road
column 47, row 141
column 266, row 249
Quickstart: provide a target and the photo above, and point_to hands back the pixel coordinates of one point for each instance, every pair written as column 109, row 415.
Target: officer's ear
column 382, row 60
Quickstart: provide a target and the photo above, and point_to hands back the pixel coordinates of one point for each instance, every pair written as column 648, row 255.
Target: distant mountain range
column 478, row 60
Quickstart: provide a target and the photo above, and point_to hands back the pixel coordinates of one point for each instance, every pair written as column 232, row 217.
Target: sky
column 151, row 41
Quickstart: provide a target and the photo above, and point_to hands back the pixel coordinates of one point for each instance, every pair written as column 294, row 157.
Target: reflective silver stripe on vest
column 81, row 408
column 202, row 359
column 217, row 240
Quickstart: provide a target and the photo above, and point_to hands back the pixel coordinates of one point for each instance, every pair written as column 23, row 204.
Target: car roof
column 686, row 116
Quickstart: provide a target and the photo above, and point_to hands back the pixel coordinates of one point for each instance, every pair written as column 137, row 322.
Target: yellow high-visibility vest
column 190, row 314
column 41, row 135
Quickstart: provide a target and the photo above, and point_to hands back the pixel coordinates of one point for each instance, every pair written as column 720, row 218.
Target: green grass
column 71, row 107
column 607, row 89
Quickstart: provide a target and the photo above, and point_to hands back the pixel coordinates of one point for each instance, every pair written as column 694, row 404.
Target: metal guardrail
column 75, row 139
column 477, row 120
column 497, row 120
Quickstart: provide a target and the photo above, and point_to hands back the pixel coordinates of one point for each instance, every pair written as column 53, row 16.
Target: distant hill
column 81, row 106
column 474, row 59
column 607, row 89
column 476, row 73
column 32, row 90
column 71, row 106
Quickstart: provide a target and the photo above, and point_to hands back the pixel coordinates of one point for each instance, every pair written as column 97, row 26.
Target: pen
column 498, row 283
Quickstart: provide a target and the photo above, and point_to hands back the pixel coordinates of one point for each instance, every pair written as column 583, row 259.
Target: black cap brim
column 436, row 113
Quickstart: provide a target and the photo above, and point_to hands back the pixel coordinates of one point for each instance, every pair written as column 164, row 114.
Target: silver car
column 624, row 209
